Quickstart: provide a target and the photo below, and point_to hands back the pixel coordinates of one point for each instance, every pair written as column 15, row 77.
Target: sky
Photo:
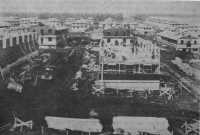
column 102, row 6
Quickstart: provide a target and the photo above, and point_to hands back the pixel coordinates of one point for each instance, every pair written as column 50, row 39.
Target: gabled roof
column 74, row 124
column 133, row 125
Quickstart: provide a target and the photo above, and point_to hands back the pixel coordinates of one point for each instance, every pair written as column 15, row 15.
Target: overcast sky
column 102, row 6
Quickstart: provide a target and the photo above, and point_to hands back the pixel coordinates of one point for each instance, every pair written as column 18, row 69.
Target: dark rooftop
column 135, row 77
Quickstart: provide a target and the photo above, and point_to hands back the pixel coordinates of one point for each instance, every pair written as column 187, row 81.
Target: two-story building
column 189, row 43
column 52, row 37
column 80, row 25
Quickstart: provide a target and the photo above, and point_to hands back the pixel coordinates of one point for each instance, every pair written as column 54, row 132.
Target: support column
column 11, row 41
column 17, row 40
column 4, row 43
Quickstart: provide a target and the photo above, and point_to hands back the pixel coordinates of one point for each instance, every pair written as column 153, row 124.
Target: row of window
column 79, row 27
column 108, row 40
column 116, row 33
column 188, row 42
column 14, row 40
column 193, row 49
column 50, row 31
column 49, row 39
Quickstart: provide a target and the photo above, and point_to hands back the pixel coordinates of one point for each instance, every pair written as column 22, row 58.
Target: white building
column 80, row 25
column 17, row 35
column 16, row 42
column 29, row 21
column 54, row 22
column 182, row 41
column 145, row 29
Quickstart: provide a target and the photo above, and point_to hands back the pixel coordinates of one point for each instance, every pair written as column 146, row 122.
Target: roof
column 133, row 125
column 116, row 32
column 171, row 35
column 74, row 124
column 108, row 21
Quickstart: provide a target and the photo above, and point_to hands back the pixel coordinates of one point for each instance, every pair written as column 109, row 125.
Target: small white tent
column 74, row 124
column 134, row 125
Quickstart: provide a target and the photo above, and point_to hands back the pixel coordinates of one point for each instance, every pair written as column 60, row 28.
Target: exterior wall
column 47, row 42
column 145, row 30
column 138, row 85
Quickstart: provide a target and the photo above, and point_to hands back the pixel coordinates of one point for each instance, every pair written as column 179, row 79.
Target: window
column 131, row 41
column 33, row 30
column 124, row 33
column 116, row 43
column 195, row 49
column 50, row 39
column 7, row 42
column 1, row 43
column 188, row 44
column 14, row 41
column 124, row 40
column 182, row 42
column 195, row 42
column 42, row 40
column 42, row 32
column 50, row 31
column 108, row 40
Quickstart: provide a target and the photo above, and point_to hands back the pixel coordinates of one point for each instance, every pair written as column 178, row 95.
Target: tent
column 74, row 124
column 134, row 125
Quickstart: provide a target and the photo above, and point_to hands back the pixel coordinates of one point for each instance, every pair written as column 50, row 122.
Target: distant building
column 11, row 21
column 182, row 41
column 189, row 43
column 52, row 37
column 29, row 21
column 111, row 23
column 54, row 22
column 24, row 22
column 108, row 23
column 80, row 25
column 145, row 29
